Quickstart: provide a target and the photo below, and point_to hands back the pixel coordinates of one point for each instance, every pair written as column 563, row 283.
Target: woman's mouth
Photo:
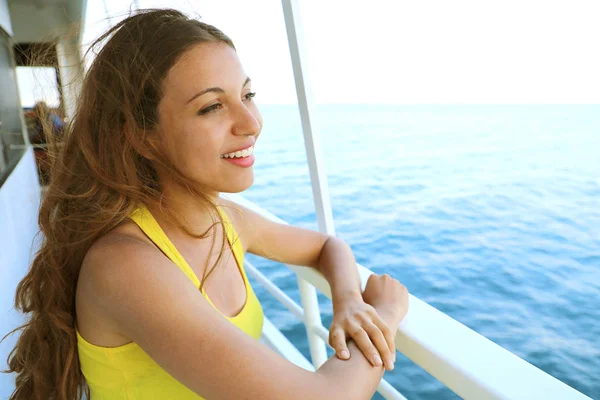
column 242, row 158
column 240, row 153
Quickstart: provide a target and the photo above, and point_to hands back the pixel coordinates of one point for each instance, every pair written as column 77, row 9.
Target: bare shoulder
column 108, row 262
column 109, row 254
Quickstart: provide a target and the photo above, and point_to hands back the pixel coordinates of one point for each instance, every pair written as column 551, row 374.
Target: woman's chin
column 239, row 185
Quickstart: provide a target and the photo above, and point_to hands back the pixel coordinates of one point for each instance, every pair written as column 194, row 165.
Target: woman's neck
column 189, row 209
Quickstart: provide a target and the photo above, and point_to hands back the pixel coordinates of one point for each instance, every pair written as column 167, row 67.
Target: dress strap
column 148, row 224
column 234, row 241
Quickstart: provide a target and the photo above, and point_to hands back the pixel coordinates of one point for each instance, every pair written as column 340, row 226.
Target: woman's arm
column 352, row 317
column 156, row 306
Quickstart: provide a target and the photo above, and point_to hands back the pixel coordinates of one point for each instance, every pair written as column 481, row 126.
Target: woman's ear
column 143, row 141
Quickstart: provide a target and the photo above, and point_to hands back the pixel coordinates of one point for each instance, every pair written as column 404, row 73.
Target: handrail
column 469, row 364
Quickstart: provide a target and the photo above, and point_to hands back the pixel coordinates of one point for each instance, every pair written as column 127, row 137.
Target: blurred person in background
column 42, row 123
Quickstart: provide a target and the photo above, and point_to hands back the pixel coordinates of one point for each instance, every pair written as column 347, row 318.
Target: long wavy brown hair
column 98, row 175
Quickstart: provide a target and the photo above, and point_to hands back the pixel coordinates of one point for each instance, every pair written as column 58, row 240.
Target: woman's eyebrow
column 215, row 90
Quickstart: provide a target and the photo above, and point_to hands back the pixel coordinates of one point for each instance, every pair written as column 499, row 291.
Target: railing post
column 312, row 320
column 318, row 178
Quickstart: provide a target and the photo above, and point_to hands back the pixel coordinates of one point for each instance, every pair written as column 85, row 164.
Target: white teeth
column 241, row 153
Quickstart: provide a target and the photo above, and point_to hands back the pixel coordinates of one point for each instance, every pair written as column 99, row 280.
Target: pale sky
column 410, row 52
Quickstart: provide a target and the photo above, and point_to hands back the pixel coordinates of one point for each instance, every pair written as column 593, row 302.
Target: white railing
column 314, row 154
column 466, row 362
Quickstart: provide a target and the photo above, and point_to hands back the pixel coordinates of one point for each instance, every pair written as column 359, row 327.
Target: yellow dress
column 126, row 372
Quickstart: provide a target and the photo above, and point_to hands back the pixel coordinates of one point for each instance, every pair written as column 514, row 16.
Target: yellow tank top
column 126, row 372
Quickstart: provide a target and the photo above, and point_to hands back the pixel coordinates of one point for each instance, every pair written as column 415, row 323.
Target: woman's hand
column 388, row 296
column 354, row 318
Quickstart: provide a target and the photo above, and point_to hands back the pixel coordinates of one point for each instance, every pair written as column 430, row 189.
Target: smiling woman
column 207, row 91
column 119, row 294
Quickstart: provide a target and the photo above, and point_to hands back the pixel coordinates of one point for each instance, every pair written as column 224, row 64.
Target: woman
column 166, row 122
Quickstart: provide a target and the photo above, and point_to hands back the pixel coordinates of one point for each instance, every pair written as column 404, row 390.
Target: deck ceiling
column 36, row 21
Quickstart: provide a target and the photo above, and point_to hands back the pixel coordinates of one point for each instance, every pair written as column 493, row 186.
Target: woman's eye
column 209, row 109
column 217, row 106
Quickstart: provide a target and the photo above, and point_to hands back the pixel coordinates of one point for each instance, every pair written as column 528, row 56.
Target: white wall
column 19, row 204
column 5, row 17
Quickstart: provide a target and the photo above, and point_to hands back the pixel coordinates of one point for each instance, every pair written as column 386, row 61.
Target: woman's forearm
column 356, row 377
column 338, row 265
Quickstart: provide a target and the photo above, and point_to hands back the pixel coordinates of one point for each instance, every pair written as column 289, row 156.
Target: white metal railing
column 314, row 154
column 466, row 362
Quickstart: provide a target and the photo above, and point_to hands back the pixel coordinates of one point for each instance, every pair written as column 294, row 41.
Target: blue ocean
column 489, row 213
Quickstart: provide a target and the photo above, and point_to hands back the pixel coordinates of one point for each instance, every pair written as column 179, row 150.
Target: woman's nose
column 247, row 123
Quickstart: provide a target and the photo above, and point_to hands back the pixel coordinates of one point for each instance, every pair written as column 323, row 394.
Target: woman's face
column 206, row 112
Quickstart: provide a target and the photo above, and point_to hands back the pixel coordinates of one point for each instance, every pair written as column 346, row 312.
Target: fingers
column 367, row 340
column 337, row 340
column 379, row 340
column 387, row 333
column 362, row 340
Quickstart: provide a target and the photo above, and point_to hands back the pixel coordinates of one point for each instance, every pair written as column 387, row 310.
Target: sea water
column 489, row 213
